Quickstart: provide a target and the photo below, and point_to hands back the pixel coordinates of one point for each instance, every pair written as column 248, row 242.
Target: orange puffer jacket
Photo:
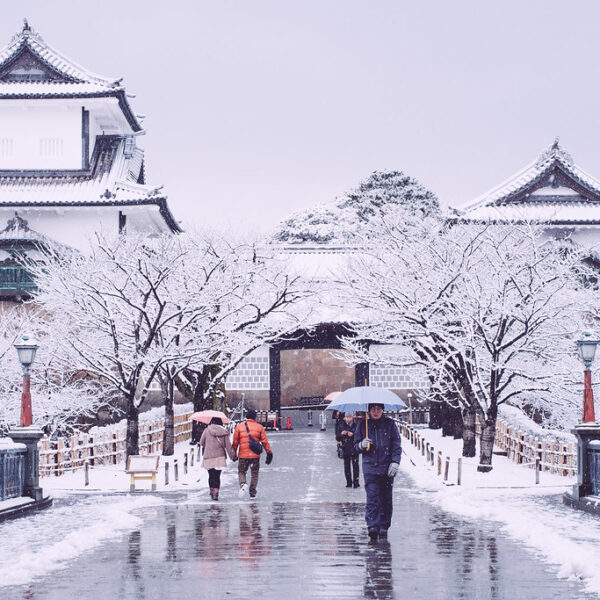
column 240, row 438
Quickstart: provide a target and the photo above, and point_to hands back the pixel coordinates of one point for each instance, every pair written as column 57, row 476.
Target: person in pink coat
column 216, row 446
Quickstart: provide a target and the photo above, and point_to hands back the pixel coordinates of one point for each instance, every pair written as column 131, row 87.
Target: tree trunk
column 468, row 431
column 448, row 420
column 169, row 432
column 435, row 415
column 457, row 423
column 488, row 436
column 199, row 404
column 133, row 432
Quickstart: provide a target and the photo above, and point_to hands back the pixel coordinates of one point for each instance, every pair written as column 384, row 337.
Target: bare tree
column 259, row 301
column 107, row 309
column 487, row 311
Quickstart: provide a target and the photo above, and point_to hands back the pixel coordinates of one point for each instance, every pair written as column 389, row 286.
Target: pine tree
column 381, row 193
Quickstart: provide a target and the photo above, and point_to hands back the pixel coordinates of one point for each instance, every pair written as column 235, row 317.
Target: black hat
column 372, row 404
column 251, row 414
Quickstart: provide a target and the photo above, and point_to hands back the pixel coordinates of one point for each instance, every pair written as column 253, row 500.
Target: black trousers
column 214, row 478
column 351, row 469
column 379, row 506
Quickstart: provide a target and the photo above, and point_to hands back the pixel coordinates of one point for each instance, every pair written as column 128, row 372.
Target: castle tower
column 69, row 162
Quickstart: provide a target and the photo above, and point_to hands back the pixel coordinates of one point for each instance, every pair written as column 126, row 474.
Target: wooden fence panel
column 106, row 446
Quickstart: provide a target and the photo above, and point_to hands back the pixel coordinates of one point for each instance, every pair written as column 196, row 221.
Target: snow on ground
column 113, row 478
column 532, row 514
column 107, row 510
column 52, row 538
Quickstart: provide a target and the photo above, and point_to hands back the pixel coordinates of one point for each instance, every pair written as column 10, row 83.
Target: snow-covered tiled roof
column 111, row 180
column 28, row 39
column 31, row 68
column 551, row 189
column 17, row 230
column 563, row 213
column 49, row 89
column 17, row 235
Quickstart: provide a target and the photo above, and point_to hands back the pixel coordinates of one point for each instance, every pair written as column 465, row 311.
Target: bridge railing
column 12, row 471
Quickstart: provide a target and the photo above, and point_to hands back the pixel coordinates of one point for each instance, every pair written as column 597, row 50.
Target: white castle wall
column 75, row 226
column 37, row 135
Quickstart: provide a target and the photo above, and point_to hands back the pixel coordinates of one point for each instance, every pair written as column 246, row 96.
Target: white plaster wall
column 75, row 227
column 40, row 136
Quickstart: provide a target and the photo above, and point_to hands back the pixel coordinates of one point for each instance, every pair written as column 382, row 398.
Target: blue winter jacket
column 386, row 447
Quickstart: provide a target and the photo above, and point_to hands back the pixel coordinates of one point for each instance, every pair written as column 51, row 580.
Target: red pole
column 588, row 398
column 26, row 413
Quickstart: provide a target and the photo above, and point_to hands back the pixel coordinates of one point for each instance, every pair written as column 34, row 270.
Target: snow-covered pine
column 378, row 195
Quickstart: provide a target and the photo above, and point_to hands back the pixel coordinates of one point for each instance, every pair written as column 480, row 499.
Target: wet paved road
column 303, row 537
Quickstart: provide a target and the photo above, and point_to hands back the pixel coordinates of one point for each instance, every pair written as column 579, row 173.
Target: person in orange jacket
column 247, row 458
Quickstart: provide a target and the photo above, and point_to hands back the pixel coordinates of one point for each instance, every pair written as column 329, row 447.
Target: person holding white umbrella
column 381, row 452
column 378, row 440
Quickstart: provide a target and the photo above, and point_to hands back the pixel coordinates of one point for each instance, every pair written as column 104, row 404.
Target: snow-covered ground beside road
column 41, row 543
column 532, row 514
column 113, row 478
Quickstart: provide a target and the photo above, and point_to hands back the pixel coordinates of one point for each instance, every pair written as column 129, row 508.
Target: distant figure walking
column 216, row 446
column 344, row 434
column 381, row 452
column 248, row 458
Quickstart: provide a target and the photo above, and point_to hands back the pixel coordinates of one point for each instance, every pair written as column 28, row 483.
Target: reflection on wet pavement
column 313, row 545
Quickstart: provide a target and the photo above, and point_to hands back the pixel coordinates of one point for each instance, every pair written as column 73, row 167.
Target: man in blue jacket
column 381, row 453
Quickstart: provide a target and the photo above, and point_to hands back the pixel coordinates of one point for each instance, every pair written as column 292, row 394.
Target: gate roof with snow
column 552, row 190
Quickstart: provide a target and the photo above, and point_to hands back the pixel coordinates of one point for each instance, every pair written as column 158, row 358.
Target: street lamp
column 410, row 397
column 587, row 350
column 26, row 350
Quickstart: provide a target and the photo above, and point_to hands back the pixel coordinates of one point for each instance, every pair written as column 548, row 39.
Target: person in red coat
column 247, row 458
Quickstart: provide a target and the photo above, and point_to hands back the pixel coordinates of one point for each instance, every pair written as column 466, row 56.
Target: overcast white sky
column 256, row 109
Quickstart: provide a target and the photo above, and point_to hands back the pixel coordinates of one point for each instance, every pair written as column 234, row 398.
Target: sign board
column 142, row 464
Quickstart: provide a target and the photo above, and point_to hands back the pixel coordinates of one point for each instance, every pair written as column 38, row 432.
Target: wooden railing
column 106, row 445
column 554, row 456
column 434, row 458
